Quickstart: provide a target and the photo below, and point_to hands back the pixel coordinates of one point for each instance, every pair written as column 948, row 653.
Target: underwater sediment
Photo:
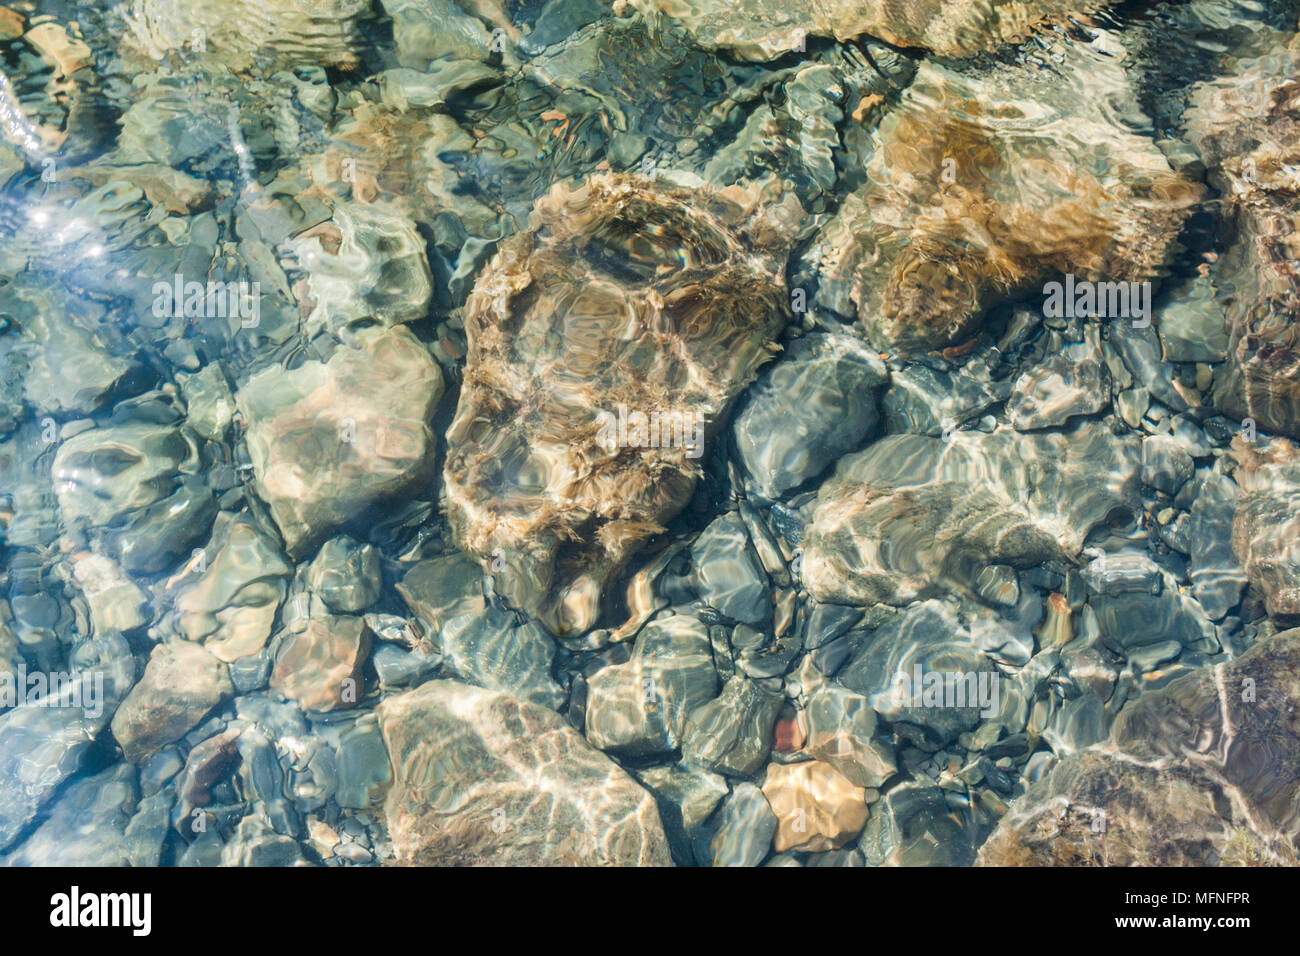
column 649, row 433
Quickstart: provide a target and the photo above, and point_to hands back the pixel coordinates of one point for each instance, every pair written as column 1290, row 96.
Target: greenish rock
column 227, row 595
column 87, row 825
column 364, row 772
column 744, row 831
column 639, row 708
column 345, row 575
column 442, row 589
column 367, row 266
column 141, row 485
column 806, row 410
column 732, row 734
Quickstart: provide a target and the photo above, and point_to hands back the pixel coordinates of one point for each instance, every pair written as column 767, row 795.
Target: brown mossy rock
column 985, row 185
column 766, row 29
column 623, row 292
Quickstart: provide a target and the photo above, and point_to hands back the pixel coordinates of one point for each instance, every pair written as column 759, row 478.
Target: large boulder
column 967, row 202
column 606, row 344
column 483, row 778
column 912, row 514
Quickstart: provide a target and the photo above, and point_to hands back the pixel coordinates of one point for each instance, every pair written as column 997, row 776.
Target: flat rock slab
column 482, row 778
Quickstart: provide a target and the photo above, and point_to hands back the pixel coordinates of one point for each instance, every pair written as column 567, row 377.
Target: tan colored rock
column 11, row 24
column 1247, row 127
column 320, row 666
column 766, row 29
column 116, row 604
column 181, row 683
column 816, row 808
column 483, row 778
column 68, row 53
column 328, row 439
column 967, row 204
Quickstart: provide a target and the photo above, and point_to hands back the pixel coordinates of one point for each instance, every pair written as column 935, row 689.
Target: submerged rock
column 732, row 733
column 1195, row 774
column 806, row 410
column 320, row 665
column 1247, row 127
column 345, row 575
column 42, row 745
column 482, row 778
column 1216, row 573
column 228, row 594
column 622, row 301
column 743, row 833
column 968, row 203
column 640, row 707
column 140, row 486
column 329, row 439
column 817, row 809
column 367, row 265
column 180, row 684
column 1266, row 530
column 87, row 824
column 912, row 514
column 767, row 29
column 253, row 33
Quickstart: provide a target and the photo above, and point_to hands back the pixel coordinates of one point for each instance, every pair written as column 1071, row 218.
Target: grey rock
column 345, row 575
column 442, row 589
column 1217, row 576
column 639, row 708
column 926, row 401
column 746, row 824
column 141, row 484
column 806, row 411
column 398, row 667
column 841, row 728
column 1069, row 382
column 912, row 515
column 87, row 824
column 732, row 734
column 41, row 746
column 1165, row 465
column 1135, row 603
column 363, row 768
column 494, row 652
column 731, row 578
column 912, row 825
column 255, row 843
column 928, row 637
